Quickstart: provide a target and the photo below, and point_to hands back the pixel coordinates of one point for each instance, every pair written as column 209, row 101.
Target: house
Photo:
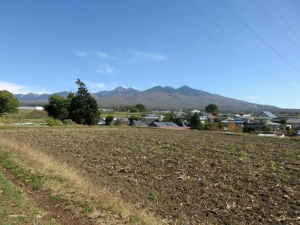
column 238, row 121
column 102, row 122
column 150, row 118
column 203, row 119
column 279, row 119
column 295, row 123
column 261, row 123
column 125, row 121
column 247, row 118
column 139, row 124
column 211, row 119
column 225, row 117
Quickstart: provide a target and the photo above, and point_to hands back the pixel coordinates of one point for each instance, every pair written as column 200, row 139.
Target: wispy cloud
column 251, row 97
column 104, row 55
column 293, row 83
column 95, row 87
column 106, row 69
column 81, row 54
column 139, row 55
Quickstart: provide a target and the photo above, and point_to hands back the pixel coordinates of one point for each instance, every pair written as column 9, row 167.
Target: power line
column 257, row 35
column 277, row 25
column 221, row 45
column 236, row 39
column 283, row 20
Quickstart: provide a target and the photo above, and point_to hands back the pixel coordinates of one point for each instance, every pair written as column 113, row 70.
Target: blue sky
column 247, row 50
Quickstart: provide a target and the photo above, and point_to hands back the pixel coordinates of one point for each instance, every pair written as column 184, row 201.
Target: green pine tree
column 196, row 122
column 84, row 108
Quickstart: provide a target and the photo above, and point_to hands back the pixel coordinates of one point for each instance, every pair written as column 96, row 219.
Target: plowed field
column 186, row 177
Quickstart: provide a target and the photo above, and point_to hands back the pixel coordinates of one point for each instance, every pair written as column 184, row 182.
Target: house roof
column 293, row 121
column 165, row 124
column 238, row 119
column 272, row 124
column 139, row 124
column 268, row 114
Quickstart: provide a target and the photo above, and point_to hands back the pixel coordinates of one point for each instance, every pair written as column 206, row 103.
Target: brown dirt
column 189, row 177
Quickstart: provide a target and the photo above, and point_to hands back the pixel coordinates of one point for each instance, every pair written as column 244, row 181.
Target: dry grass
column 65, row 184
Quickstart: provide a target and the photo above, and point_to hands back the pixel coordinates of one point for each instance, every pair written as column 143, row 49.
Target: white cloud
column 13, row 88
column 144, row 55
column 81, row 54
column 103, row 55
column 251, row 97
column 107, row 69
column 17, row 89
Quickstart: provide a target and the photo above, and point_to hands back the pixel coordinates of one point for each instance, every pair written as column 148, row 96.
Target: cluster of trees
column 132, row 108
column 171, row 117
column 8, row 102
column 81, row 108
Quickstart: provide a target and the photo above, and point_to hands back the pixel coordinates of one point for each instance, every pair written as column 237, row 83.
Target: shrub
column 239, row 129
column 68, row 122
column 108, row 120
column 53, row 122
column 214, row 127
column 231, row 127
column 118, row 122
column 249, row 129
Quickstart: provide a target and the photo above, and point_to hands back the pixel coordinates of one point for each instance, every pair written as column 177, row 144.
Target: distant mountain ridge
column 116, row 92
column 37, row 98
column 157, row 98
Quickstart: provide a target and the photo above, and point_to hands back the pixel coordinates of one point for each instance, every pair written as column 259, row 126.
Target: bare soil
column 187, row 177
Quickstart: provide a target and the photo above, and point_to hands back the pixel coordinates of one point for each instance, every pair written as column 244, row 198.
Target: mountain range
column 157, row 98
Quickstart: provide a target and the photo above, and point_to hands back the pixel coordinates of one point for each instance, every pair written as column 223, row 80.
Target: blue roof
column 238, row 119
column 238, row 122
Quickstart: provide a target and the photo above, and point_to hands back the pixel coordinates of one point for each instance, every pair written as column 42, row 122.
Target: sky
column 247, row 50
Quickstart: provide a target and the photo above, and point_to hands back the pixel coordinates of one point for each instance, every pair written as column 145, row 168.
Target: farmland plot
column 183, row 176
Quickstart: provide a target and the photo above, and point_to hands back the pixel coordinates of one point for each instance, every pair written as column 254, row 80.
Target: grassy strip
column 85, row 201
column 15, row 207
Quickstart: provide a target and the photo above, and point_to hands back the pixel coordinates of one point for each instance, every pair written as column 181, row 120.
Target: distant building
column 263, row 122
column 139, row 124
column 31, row 107
column 295, row 123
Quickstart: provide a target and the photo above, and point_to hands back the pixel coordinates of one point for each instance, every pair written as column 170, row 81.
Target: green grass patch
column 15, row 207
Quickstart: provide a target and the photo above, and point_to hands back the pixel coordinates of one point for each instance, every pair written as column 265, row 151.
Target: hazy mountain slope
column 183, row 97
column 158, row 98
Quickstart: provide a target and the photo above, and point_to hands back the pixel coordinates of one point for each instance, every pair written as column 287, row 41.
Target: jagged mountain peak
column 117, row 91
